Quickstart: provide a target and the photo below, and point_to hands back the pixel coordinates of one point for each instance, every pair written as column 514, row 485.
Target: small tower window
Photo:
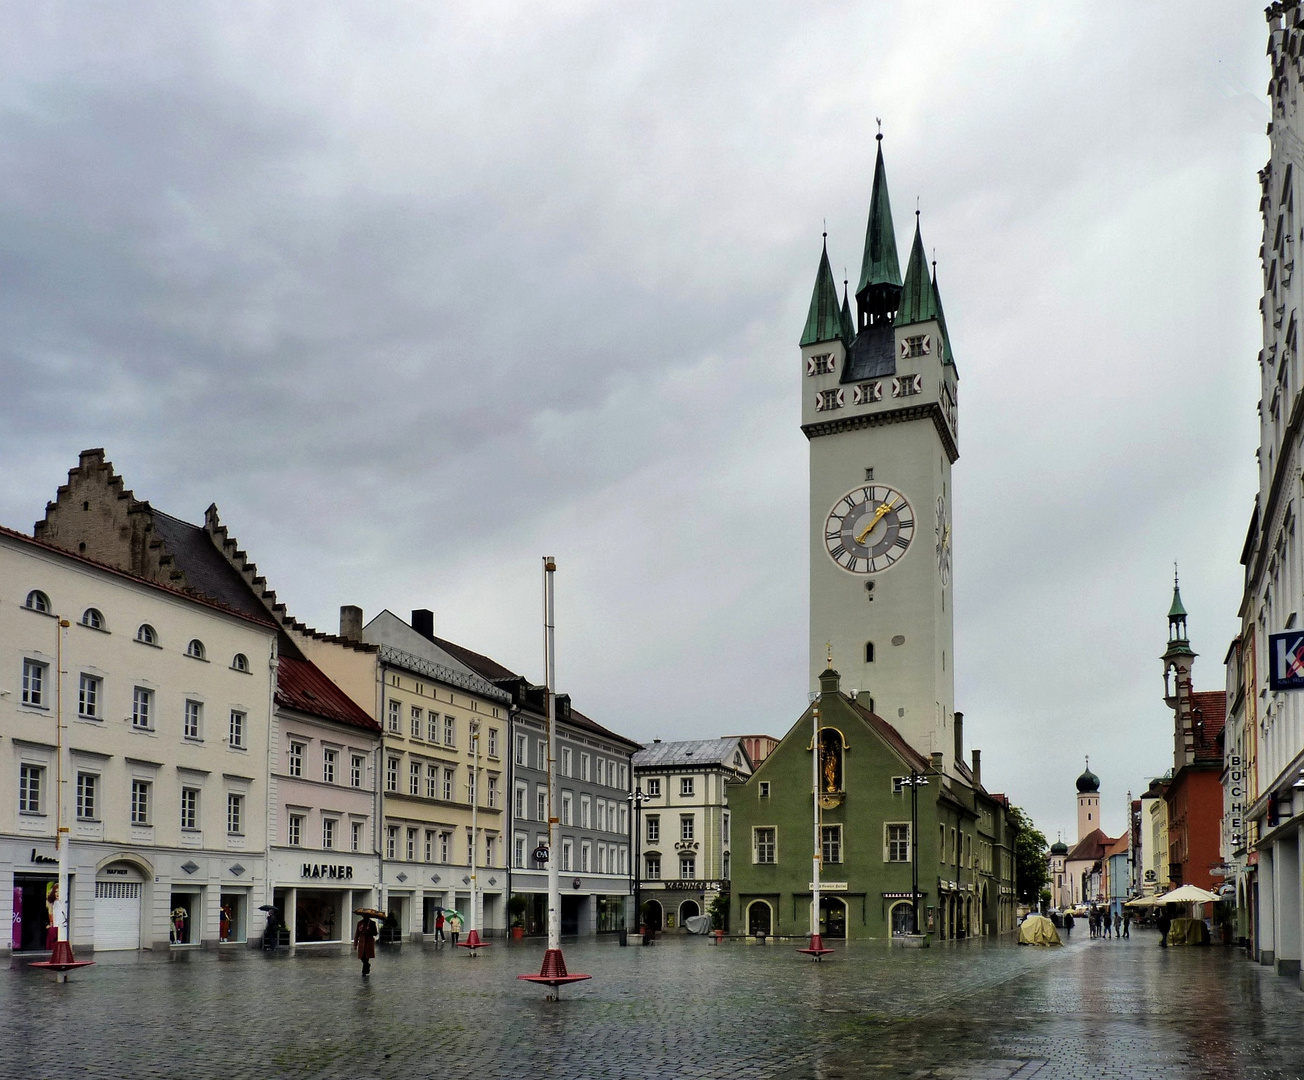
column 195, row 649
column 147, row 635
column 38, row 601
column 869, row 652
column 241, row 662
column 91, row 617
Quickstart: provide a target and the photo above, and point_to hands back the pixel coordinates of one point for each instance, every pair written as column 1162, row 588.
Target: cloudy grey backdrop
column 417, row 293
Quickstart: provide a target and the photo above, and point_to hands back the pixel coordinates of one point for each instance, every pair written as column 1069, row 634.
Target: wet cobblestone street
column 680, row 1009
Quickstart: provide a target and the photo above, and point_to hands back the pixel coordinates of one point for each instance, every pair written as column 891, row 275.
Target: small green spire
column 848, row 327
column 879, row 266
column 824, row 320
column 1177, row 611
column 947, row 356
column 917, row 296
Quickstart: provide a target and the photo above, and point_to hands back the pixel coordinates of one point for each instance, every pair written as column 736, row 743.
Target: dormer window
column 38, row 601
column 147, row 635
column 195, row 649
column 91, row 617
column 240, row 662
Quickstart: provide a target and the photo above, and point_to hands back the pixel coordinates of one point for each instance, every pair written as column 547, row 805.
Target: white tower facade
column 879, row 406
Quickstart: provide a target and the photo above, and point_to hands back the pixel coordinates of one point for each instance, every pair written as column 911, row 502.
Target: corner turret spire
column 848, row 327
column 947, row 356
column 824, row 320
column 917, row 294
column 1177, row 617
column 879, row 291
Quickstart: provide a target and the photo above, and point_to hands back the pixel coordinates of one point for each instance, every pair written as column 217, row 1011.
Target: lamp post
column 553, row 972
column 637, row 798
column 473, row 941
column 816, row 949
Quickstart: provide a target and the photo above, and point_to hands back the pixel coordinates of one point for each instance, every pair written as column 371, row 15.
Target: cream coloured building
column 165, row 700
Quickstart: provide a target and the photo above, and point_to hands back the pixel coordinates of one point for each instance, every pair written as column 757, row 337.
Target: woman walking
column 455, row 925
column 364, row 940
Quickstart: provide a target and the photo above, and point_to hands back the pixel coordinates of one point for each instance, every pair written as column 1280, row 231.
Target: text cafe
column 315, row 900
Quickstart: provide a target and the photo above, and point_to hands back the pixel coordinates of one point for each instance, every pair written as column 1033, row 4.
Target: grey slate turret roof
column 724, row 753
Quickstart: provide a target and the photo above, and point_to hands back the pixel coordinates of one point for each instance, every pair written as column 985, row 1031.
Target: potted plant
column 516, row 909
column 718, row 909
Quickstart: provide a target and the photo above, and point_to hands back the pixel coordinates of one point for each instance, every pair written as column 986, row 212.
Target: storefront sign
column 43, row 860
column 829, row 886
column 1286, row 657
column 694, row 886
column 325, row 870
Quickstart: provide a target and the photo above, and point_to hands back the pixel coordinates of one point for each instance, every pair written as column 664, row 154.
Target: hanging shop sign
column 1286, row 660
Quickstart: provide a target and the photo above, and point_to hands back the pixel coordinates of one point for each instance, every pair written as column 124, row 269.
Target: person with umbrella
column 455, row 924
column 364, row 938
column 272, row 931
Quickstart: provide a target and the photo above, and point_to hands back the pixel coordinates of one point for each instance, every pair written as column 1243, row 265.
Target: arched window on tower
column 869, row 652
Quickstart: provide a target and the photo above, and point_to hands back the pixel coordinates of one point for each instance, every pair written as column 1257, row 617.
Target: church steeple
column 1177, row 621
column 879, row 291
column 917, row 297
column 824, row 320
column 848, row 327
column 947, row 356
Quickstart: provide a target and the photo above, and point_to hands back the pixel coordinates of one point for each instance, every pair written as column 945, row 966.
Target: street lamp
column 473, row 941
column 915, row 782
column 636, row 799
column 816, row 949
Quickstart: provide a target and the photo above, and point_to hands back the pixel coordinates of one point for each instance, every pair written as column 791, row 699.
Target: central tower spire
column 879, row 292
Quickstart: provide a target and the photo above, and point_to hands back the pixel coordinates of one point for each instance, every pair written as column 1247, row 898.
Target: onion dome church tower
column 1088, row 802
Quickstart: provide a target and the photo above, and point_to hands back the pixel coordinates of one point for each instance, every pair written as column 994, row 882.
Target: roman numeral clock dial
column 869, row 529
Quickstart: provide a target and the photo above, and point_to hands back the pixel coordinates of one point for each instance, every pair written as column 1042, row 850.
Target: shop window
column 34, row 897
column 88, row 697
column 316, row 917
column 34, row 677
column 233, row 917
column 37, row 601
column 182, row 927
column 93, row 618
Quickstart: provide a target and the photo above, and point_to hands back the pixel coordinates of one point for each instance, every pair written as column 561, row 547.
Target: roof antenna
column 879, row 121
column 1174, row 575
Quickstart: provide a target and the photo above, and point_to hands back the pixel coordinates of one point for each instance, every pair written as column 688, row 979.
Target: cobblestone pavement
column 682, row 1009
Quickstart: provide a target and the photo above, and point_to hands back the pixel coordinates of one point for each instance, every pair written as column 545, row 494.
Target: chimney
column 959, row 737
column 351, row 622
column 977, row 767
column 935, row 760
column 423, row 622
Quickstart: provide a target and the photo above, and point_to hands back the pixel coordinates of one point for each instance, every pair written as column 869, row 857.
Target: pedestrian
column 364, row 940
column 439, row 925
column 455, row 925
column 1094, row 919
column 1118, row 924
column 1127, row 924
column 1164, row 923
column 1068, row 924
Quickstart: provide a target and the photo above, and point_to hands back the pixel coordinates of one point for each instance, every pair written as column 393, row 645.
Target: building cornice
column 930, row 410
column 1281, row 474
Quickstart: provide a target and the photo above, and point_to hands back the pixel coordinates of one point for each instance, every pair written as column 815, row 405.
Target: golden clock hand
column 878, row 516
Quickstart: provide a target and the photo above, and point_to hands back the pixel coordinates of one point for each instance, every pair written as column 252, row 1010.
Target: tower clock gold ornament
column 869, row 529
column 943, row 541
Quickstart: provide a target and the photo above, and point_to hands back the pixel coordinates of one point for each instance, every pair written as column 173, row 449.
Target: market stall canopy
column 1188, row 894
column 1038, row 930
column 1144, row 901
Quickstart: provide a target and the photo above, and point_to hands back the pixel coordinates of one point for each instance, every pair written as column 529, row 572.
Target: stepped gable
column 304, row 687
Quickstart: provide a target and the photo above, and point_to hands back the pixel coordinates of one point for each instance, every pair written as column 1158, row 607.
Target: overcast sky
column 419, row 293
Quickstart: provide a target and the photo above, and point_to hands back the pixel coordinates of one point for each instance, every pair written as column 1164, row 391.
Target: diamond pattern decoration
column 237, row 869
column 466, row 881
column 402, row 877
column 189, row 867
column 434, row 878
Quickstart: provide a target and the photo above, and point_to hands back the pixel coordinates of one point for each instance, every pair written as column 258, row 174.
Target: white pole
column 64, row 772
column 475, row 824
column 815, row 800
column 550, row 679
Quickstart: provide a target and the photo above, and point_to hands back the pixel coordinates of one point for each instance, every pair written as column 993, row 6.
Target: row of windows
column 687, row 827
column 439, row 782
column 329, row 832
column 90, row 704
column 428, row 727
column 438, row 842
column 687, row 867
column 601, row 814
column 32, row 798
column 652, row 787
column 296, row 755
column 610, row 858
column 592, row 768
column 896, row 843
column 145, row 633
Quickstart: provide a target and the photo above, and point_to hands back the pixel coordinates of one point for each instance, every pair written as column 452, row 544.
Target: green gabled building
column 964, row 844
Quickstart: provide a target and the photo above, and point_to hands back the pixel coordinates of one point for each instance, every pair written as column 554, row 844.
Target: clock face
column 869, row 529
column 943, row 541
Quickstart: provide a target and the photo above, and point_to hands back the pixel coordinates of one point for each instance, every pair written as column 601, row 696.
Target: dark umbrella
column 266, row 907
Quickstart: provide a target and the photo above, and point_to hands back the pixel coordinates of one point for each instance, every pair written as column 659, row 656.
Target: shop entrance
column 570, row 915
column 183, row 918
column 903, row 918
column 33, row 912
column 117, row 915
column 317, row 916
column 758, row 918
column 687, row 910
column 833, row 917
column 652, row 915
column 233, row 918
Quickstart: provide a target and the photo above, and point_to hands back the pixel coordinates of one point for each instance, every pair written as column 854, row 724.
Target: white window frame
column 328, row 833
column 88, row 787
column 192, row 720
column 141, row 797
column 89, row 690
column 31, row 787
column 888, row 842
column 328, row 761
column 395, row 715
column 294, row 758
column 686, row 787
column 294, row 830
column 773, row 840
column 234, row 813
column 142, row 708
column 237, row 728
column 357, row 770
column 653, row 787
column 189, row 808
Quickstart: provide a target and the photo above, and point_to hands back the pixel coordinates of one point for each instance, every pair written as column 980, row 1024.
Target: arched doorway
column 833, row 917
column 902, row 917
column 687, row 910
column 759, row 918
column 652, row 915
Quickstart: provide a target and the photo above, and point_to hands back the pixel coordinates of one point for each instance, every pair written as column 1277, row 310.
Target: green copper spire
column 947, row 356
column 917, row 297
column 879, row 265
column 1176, row 611
column 824, row 320
column 848, row 327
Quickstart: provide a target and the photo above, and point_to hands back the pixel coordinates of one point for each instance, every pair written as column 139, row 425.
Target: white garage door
column 117, row 915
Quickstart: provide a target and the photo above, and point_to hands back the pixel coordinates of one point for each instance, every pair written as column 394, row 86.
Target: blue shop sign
column 1286, row 660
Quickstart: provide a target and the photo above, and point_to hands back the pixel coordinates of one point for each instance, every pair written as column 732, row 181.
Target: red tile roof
column 892, row 737
column 301, row 685
column 1091, row 847
column 1210, row 711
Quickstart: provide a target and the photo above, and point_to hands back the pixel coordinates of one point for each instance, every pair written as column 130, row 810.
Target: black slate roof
column 207, row 572
column 872, row 354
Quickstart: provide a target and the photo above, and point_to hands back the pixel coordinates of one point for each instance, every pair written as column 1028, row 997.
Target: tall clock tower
column 878, row 404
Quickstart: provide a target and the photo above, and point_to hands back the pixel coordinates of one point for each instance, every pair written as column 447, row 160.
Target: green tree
column 1031, row 861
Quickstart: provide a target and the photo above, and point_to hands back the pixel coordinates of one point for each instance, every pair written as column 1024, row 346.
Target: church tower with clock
column 879, row 396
